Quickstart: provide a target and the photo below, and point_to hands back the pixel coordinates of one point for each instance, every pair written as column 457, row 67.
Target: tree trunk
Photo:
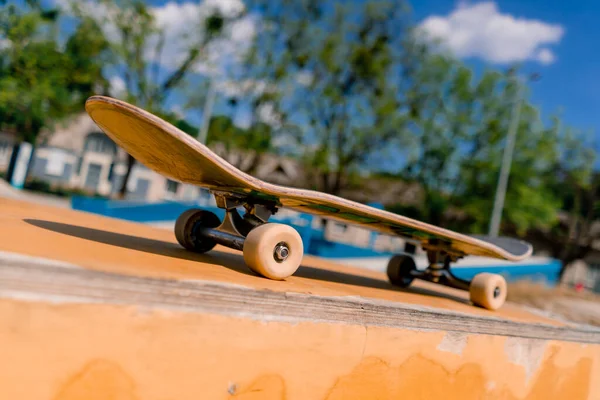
column 130, row 164
column 325, row 181
column 337, row 182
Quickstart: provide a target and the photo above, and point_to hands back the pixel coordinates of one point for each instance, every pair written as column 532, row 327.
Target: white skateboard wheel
column 488, row 290
column 185, row 229
column 274, row 251
column 399, row 270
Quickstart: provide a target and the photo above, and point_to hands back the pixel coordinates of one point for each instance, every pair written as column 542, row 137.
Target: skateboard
column 274, row 250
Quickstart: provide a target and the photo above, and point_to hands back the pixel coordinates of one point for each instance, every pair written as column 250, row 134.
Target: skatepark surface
column 94, row 307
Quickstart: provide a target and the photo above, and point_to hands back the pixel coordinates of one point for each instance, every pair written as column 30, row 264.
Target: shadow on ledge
column 233, row 262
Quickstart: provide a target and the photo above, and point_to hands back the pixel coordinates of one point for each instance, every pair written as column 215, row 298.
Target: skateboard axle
column 496, row 292
column 442, row 276
column 281, row 252
column 223, row 238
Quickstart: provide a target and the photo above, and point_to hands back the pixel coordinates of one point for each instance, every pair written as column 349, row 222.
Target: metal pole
column 207, row 114
column 505, row 167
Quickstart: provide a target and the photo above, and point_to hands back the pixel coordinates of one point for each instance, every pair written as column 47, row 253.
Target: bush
column 38, row 185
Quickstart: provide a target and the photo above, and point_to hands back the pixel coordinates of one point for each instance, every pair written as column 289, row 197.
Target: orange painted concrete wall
column 67, row 351
column 83, row 348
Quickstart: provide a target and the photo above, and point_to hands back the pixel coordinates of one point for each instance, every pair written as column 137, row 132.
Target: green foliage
column 135, row 34
column 351, row 57
column 40, row 82
column 459, row 125
column 88, row 52
column 257, row 137
column 41, row 186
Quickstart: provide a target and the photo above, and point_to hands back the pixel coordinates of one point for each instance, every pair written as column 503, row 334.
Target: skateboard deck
column 173, row 153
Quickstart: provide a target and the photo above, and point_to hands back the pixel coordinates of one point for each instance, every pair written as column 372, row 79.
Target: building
column 77, row 154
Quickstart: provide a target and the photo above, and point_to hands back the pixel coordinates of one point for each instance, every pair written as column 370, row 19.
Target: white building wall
column 89, row 159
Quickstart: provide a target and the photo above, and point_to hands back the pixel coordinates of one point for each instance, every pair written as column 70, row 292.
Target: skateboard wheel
column 488, row 290
column 186, row 226
column 399, row 270
column 273, row 250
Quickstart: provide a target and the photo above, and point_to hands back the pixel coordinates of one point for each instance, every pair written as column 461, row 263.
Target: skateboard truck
column 439, row 271
column 272, row 250
column 485, row 289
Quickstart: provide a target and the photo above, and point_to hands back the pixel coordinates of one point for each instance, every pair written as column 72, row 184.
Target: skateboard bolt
column 496, row 292
column 281, row 252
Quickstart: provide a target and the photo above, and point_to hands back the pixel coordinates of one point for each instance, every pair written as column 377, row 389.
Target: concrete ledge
column 30, row 278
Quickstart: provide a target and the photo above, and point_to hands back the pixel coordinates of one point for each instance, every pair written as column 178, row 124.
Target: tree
column 138, row 44
column 529, row 202
column 39, row 82
column 341, row 70
column 575, row 182
column 459, row 123
column 223, row 130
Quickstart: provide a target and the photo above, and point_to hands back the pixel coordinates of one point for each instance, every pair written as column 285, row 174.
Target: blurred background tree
column 342, row 69
column 137, row 45
column 42, row 82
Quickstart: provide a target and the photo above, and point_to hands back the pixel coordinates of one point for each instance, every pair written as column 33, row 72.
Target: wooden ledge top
column 53, row 254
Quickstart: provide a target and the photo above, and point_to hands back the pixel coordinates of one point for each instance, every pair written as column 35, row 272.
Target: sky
column 556, row 39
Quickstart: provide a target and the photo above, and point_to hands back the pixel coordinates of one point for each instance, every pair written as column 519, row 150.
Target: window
column 172, row 186
column 99, row 143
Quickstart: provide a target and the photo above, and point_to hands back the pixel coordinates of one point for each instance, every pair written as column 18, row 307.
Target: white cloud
column 233, row 88
column 227, row 8
column 182, row 26
column 305, row 78
column 545, row 56
column 268, row 115
column 178, row 111
column 117, row 86
column 481, row 30
column 5, row 43
column 181, row 23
